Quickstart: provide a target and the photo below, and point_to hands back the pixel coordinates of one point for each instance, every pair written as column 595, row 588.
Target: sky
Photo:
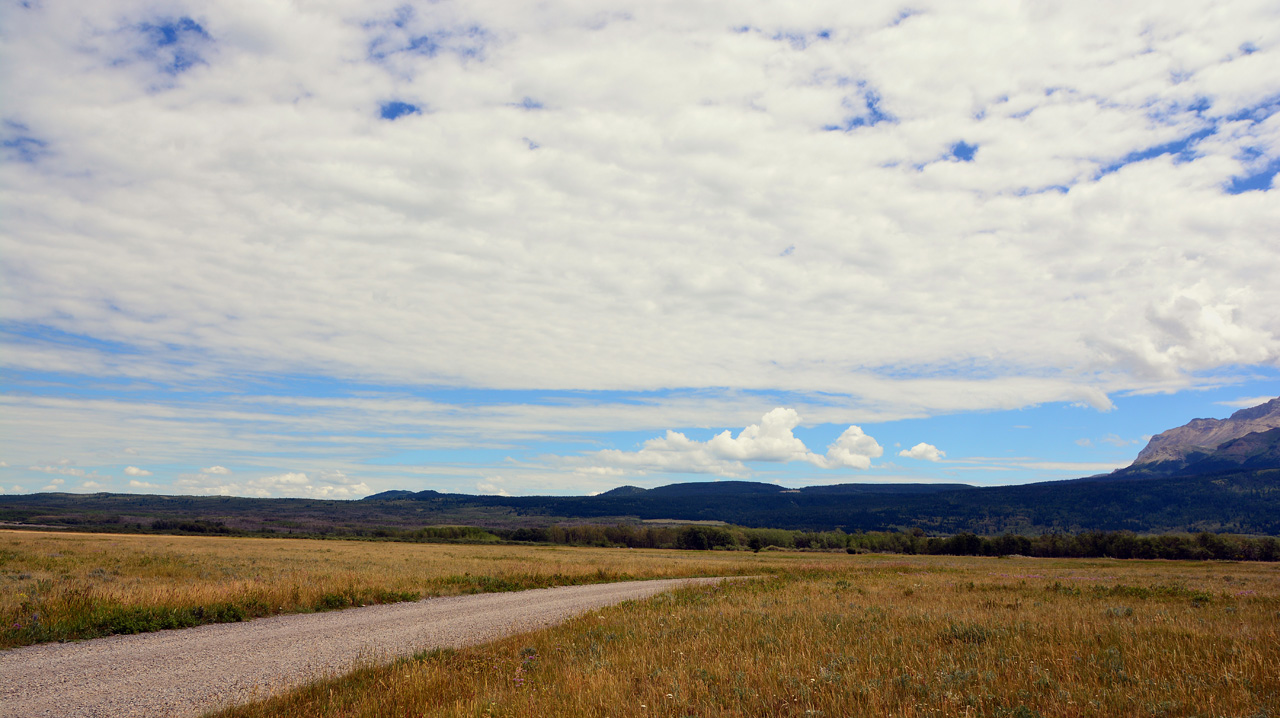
column 332, row 248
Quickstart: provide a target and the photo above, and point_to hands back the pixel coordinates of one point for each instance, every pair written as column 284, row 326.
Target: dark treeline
column 1087, row 544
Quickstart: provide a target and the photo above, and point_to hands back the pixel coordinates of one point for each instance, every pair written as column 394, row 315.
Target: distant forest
column 1226, row 515
column 1089, row 544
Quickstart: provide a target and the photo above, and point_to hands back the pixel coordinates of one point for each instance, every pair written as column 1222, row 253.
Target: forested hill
column 1237, row 501
column 1241, row 501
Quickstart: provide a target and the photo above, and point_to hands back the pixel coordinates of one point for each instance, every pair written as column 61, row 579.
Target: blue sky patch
column 1260, row 180
column 903, row 15
column 1183, row 150
column 1174, row 113
column 396, row 109
column 22, row 333
column 872, row 113
column 20, row 145
column 802, row 40
column 404, row 33
column 1027, row 191
column 1259, row 112
column 174, row 44
column 964, row 151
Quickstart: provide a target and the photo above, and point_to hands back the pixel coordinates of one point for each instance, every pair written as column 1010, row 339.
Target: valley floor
column 819, row 634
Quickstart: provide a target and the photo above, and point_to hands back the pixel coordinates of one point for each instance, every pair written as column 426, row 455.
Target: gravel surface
column 193, row 670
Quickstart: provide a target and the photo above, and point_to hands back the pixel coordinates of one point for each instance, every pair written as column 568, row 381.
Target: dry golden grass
column 61, row 586
column 870, row 636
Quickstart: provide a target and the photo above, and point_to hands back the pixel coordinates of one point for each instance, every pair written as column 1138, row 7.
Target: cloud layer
column 869, row 212
column 568, row 191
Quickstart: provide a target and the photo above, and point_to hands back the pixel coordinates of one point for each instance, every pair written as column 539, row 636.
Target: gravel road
column 189, row 671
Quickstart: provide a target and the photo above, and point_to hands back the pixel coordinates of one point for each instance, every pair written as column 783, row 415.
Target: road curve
column 193, row 670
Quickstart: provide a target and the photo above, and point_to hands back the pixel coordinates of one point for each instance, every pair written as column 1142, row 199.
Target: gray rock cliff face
column 1200, row 437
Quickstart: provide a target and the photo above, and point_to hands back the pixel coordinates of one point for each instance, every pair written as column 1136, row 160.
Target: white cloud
column 92, row 485
column 724, row 454
column 492, row 487
column 219, row 470
column 600, row 471
column 684, row 193
column 1110, row 440
column 1079, row 468
column 853, row 449
column 319, row 485
column 927, row 452
column 63, row 470
column 135, row 471
column 665, row 196
column 1246, row 402
column 135, row 484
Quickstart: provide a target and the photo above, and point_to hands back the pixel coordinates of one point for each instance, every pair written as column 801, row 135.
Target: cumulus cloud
column 926, row 452
column 853, row 449
column 492, row 487
column 135, row 484
column 135, row 471
column 724, row 454
column 217, row 470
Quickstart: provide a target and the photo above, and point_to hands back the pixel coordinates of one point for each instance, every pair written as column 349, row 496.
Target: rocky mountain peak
column 1200, row 437
column 1259, row 412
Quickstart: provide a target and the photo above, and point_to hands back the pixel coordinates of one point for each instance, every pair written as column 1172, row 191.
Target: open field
column 870, row 635
column 56, row 586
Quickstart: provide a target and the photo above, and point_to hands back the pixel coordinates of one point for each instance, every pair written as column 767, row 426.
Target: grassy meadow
column 869, row 636
column 56, row 586
column 819, row 634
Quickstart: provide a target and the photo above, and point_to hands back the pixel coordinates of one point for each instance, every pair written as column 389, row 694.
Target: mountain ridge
column 1182, row 444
